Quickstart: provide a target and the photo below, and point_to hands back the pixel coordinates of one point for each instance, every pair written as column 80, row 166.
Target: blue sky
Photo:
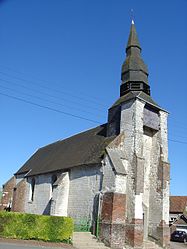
column 67, row 55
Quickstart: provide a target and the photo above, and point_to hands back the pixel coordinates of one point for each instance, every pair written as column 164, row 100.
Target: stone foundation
column 112, row 229
column 135, row 233
column 163, row 231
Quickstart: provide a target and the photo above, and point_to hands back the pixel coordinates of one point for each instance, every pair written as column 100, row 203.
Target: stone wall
column 113, row 200
column 85, row 184
column 60, row 195
column 19, row 196
column 113, row 219
column 42, row 195
column 108, row 175
column 73, row 194
column 147, row 199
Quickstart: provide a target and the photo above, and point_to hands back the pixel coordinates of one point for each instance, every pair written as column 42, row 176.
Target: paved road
column 18, row 246
column 174, row 245
column 177, row 245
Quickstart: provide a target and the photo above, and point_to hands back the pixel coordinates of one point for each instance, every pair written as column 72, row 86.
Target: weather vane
column 132, row 16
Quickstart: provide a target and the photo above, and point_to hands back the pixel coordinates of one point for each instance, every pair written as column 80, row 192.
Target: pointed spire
column 133, row 38
column 134, row 73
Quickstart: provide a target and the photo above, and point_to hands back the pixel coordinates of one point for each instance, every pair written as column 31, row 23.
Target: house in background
column 117, row 173
column 0, row 194
column 178, row 213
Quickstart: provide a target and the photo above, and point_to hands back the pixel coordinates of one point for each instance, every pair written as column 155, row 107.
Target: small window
column 53, row 180
column 32, row 189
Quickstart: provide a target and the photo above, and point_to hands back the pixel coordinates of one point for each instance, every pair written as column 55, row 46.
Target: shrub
column 37, row 227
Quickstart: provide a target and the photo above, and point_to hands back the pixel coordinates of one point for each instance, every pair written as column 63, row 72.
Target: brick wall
column 7, row 196
column 19, row 193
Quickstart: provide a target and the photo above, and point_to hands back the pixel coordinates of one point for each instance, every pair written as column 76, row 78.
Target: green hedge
column 37, row 227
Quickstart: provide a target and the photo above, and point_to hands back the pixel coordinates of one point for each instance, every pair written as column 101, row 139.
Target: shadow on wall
column 95, row 216
column 47, row 208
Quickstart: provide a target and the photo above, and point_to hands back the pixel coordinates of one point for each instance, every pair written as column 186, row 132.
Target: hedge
column 36, row 227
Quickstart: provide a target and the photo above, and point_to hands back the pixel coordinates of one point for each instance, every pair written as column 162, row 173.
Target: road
column 17, row 246
column 177, row 245
column 5, row 245
column 10, row 244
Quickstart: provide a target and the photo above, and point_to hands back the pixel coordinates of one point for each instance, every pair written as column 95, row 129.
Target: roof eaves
column 154, row 105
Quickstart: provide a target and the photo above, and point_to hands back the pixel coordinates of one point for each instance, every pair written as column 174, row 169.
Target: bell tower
column 139, row 201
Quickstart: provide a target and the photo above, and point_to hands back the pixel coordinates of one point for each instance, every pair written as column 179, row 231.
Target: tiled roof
column 85, row 148
column 178, row 204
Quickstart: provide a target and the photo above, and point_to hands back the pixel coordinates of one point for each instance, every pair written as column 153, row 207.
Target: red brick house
column 178, row 211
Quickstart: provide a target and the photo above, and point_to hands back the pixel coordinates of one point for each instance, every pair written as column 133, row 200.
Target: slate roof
column 115, row 158
column 133, row 38
column 85, row 148
column 178, row 204
column 136, row 94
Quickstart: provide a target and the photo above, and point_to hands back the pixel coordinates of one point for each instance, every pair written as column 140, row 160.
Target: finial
column 132, row 16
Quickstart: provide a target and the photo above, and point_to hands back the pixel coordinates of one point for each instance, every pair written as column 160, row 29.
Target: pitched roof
column 82, row 149
column 178, row 204
column 137, row 94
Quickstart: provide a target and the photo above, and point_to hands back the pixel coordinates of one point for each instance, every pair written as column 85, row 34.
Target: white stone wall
column 120, row 184
column 164, row 155
column 85, row 183
column 60, row 196
column 164, row 134
column 42, row 195
column 132, row 126
column 147, row 189
column 147, row 154
column 108, row 176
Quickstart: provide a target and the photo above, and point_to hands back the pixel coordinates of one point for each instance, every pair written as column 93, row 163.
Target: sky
column 60, row 66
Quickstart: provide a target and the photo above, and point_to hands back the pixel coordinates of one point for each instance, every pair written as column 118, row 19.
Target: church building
column 115, row 176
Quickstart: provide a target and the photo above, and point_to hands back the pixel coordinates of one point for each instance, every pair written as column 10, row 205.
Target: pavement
column 12, row 246
column 178, row 245
column 30, row 244
column 17, row 244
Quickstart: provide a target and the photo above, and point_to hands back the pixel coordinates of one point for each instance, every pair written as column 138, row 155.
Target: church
column 114, row 177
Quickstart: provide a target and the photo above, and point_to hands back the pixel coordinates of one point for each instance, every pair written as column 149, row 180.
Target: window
column 32, row 188
column 53, row 180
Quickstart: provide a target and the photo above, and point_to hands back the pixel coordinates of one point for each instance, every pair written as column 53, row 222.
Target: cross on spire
column 132, row 16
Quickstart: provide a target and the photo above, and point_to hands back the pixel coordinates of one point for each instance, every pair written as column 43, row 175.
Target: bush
column 37, row 227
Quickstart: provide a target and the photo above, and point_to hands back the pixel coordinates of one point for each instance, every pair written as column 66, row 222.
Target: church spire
column 133, row 38
column 134, row 73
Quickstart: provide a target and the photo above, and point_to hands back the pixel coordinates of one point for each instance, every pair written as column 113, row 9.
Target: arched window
column 32, row 189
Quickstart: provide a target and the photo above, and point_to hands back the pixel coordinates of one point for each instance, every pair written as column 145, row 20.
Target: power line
column 178, row 136
column 49, row 108
column 62, row 112
column 50, row 88
column 177, row 141
column 43, row 99
column 49, row 95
